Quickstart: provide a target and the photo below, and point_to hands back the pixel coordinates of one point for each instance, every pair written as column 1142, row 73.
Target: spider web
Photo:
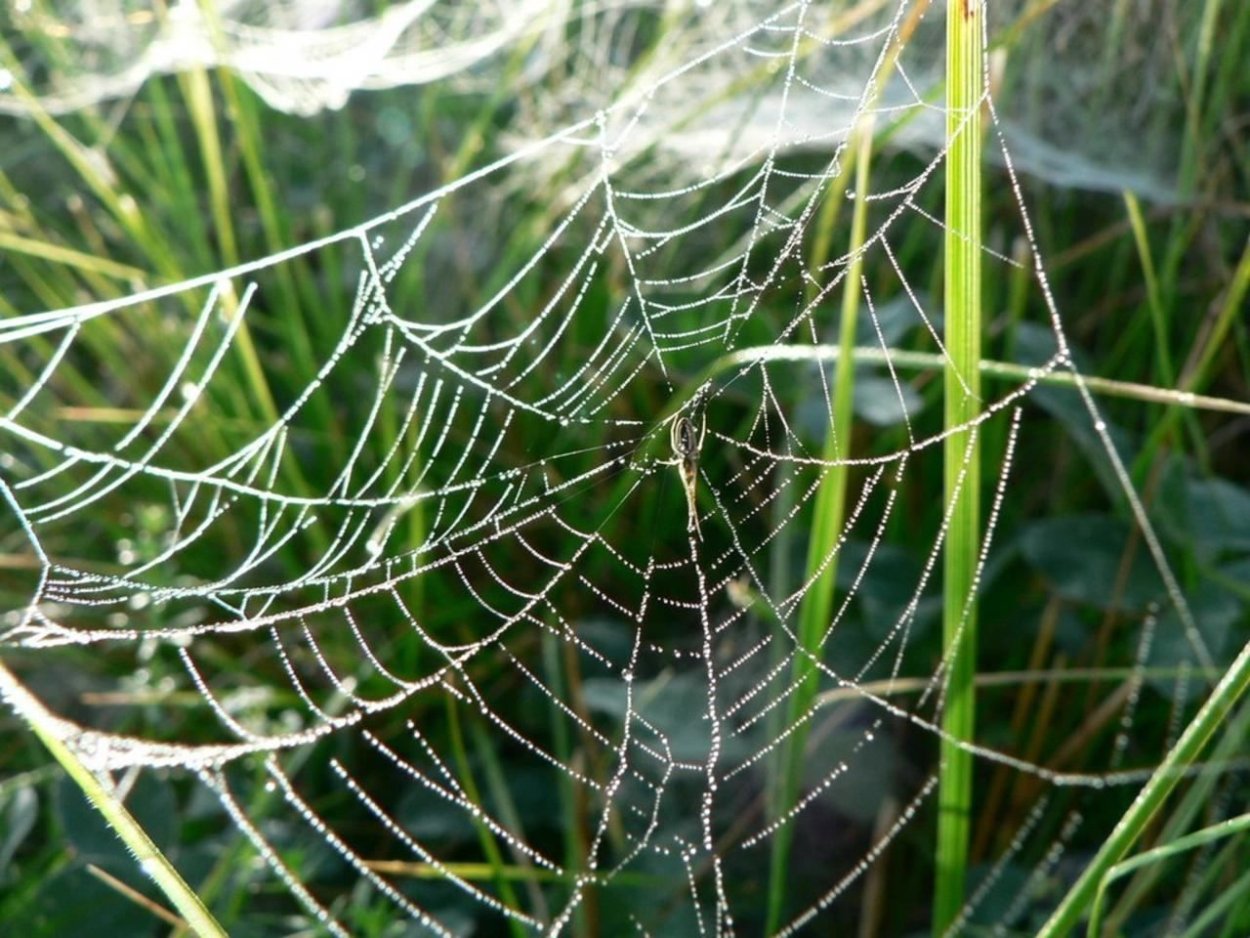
column 456, row 528
column 1086, row 124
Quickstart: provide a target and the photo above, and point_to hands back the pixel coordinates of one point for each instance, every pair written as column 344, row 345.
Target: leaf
column 1080, row 557
column 675, row 706
column 1215, row 611
column 150, row 801
column 1212, row 515
column 73, row 902
column 879, row 402
column 862, row 764
column 19, row 816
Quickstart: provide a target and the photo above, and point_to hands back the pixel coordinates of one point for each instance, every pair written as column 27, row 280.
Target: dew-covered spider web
column 410, row 592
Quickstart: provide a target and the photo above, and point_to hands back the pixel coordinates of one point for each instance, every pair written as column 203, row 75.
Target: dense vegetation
column 1147, row 252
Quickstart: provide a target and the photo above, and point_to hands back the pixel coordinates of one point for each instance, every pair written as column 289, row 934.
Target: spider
column 686, row 445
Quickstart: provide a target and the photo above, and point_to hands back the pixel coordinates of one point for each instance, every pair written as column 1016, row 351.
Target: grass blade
column 151, row 860
column 964, row 78
column 1165, row 778
column 815, row 613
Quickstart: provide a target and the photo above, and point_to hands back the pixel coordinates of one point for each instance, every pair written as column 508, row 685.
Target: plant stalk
column 962, row 391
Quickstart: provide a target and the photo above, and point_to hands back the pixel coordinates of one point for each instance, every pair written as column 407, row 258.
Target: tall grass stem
column 965, row 82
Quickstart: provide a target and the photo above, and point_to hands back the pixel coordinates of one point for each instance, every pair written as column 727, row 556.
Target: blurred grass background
column 1149, row 261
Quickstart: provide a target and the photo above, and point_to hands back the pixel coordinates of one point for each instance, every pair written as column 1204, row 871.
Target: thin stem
column 53, row 733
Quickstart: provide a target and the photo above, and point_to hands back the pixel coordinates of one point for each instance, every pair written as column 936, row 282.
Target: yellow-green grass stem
column 53, row 733
column 904, row 360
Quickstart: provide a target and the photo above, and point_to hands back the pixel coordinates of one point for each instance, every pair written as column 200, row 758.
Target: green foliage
column 196, row 173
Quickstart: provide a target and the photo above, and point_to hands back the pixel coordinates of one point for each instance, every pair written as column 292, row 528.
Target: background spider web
column 486, row 637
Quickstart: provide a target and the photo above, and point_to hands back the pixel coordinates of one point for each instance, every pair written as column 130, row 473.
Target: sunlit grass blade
column 150, row 858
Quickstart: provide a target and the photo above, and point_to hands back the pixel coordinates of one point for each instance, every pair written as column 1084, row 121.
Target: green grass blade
column 1158, row 854
column 1219, row 906
column 1165, row 778
column 816, row 611
column 964, row 71
column 1154, row 298
column 486, row 837
column 1185, row 809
